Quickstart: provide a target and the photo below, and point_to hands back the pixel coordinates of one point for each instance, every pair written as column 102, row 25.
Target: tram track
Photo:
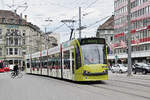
column 72, row 84
column 141, row 77
column 104, row 86
column 134, row 83
column 123, row 92
column 126, row 86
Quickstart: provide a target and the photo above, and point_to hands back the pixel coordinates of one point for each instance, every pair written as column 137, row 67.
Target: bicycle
column 18, row 75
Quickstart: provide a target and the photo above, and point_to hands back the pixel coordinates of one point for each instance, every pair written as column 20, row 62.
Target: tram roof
column 56, row 49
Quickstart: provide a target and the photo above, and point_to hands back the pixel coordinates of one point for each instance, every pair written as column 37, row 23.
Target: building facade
column 51, row 40
column 106, row 30
column 17, row 37
column 140, row 31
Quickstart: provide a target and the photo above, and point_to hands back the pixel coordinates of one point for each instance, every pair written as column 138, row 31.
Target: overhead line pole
column 80, row 22
column 129, row 39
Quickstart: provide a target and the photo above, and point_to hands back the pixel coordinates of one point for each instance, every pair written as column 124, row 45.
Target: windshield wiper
column 88, row 60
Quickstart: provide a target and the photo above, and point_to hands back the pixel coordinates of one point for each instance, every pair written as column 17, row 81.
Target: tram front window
column 93, row 54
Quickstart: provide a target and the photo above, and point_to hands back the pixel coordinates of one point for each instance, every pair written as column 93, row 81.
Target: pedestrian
column 15, row 69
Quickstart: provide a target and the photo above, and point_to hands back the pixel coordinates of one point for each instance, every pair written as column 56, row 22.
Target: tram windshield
column 93, row 54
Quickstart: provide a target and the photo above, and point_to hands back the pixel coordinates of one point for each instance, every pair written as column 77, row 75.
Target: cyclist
column 15, row 69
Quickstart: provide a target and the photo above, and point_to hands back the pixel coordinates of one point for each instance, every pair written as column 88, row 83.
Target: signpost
column 116, row 59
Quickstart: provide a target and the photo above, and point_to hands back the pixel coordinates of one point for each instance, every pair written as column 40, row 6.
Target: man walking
column 16, row 69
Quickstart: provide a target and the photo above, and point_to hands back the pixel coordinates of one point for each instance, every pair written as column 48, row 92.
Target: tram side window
column 67, row 59
column 28, row 64
column 42, row 64
column 38, row 64
column 33, row 64
column 57, row 61
column 45, row 64
column 49, row 62
column 78, row 57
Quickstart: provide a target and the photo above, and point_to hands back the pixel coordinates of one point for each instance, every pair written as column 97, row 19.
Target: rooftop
column 109, row 24
column 9, row 17
column 8, row 14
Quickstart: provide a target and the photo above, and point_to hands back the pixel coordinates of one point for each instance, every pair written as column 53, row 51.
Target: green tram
column 78, row 60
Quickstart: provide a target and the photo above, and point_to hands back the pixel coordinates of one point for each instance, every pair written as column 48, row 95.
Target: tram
column 4, row 66
column 82, row 59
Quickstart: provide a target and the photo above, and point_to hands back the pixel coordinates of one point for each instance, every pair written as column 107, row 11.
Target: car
column 6, row 69
column 141, row 67
column 2, row 70
column 120, row 68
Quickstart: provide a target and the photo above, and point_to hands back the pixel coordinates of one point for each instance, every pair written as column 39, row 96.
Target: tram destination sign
column 92, row 41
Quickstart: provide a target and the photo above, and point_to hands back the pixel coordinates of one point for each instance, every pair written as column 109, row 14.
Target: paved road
column 31, row 87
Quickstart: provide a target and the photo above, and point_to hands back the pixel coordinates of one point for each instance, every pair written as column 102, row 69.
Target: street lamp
column 48, row 20
column 81, row 28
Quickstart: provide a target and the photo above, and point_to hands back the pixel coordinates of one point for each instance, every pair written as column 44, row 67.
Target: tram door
column 72, row 63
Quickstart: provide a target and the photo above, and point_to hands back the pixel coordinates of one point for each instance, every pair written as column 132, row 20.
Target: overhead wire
column 74, row 17
column 84, row 2
column 91, row 4
column 58, row 27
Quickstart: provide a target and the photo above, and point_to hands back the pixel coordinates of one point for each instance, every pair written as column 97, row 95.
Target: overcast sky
column 93, row 11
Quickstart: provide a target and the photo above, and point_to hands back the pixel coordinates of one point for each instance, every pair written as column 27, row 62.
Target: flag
column 123, row 44
column 137, row 41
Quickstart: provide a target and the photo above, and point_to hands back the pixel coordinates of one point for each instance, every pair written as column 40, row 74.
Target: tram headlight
column 85, row 72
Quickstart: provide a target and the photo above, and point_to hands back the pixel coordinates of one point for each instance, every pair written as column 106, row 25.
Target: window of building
column 20, row 41
column 8, row 32
column 11, row 20
column 145, row 22
column 12, row 31
column 0, row 51
column 148, row 33
column 7, row 50
column 144, row 34
column 23, row 41
column 16, row 51
column 7, row 42
column 3, row 20
column 145, row 1
column 11, row 41
column 10, row 61
column 11, row 51
column 0, row 33
column 20, row 21
column 24, row 34
column 16, row 41
column 20, row 52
